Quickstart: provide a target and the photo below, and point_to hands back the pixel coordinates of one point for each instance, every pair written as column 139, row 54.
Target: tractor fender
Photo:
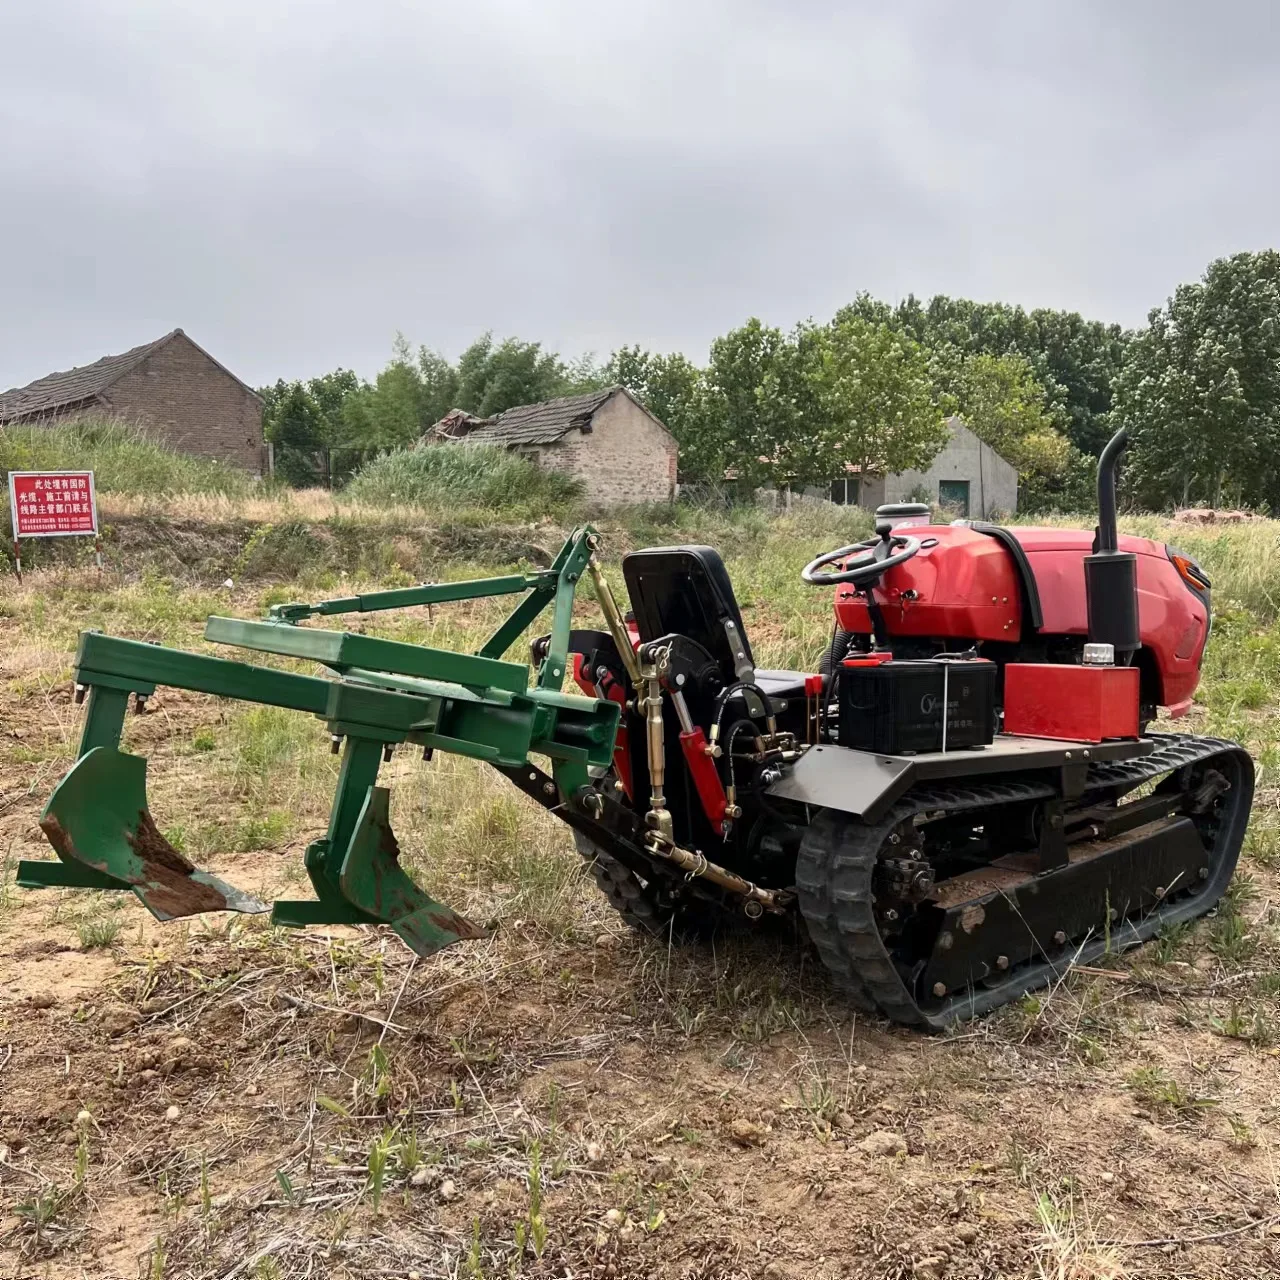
column 856, row 782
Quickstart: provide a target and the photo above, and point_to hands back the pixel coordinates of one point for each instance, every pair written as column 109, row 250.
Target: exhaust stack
column 1111, row 575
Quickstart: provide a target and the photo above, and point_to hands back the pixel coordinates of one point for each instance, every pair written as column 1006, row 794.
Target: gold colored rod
column 697, row 865
column 613, row 618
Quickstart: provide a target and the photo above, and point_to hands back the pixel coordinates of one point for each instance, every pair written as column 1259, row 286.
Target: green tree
column 493, row 378
column 439, row 381
column 392, row 411
column 757, row 398
column 875, row 403
column 294, row 423
column 1003, row 403
column 1076, row 360
column 1200, row 390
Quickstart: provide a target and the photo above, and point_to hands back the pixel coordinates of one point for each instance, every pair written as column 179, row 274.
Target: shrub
column 453, row 476
column 121, row 456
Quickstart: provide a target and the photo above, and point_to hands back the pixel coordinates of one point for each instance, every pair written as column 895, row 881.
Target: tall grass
column 449, row 477
column 122, row 457
column 1242, row 560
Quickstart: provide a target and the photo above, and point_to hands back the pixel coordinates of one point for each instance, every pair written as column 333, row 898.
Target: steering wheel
column 875, row 557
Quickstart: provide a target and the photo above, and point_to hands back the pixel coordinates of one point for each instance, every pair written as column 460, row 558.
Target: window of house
column 954, row 496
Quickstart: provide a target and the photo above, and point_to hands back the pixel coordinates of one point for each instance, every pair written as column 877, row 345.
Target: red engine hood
column 964, row 584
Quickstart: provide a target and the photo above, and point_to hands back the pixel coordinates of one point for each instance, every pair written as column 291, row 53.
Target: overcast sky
column 293, row 182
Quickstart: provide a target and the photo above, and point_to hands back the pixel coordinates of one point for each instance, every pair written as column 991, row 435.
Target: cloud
column 292, row 182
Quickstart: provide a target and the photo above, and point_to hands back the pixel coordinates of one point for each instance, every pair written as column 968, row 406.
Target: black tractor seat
column 686, row 590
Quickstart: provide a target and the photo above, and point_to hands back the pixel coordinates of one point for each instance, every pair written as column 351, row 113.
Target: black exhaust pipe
column 1111, row 575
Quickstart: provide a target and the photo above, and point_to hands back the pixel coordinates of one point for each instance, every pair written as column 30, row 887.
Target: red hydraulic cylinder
column 615, row 692
column 693, row 742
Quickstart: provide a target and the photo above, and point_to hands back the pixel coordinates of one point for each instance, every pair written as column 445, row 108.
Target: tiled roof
column 76, row 386
column 541, row 423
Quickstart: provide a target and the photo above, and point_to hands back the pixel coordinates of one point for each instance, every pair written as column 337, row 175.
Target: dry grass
column 563, row 1097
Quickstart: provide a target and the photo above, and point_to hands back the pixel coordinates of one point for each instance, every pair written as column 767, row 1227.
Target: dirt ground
column 219, row 1099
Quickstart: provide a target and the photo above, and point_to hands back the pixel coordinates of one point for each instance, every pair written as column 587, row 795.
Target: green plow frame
column 383, row 693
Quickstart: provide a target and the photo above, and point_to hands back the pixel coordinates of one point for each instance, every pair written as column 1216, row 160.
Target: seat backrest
column 686, row 590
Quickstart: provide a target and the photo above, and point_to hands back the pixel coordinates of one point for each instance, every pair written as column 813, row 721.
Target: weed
column 481, row 476
column 124, row 457
column 42, row 1210
column 473, row 1262
column 1165, row 946
column 379, row 1155
column 377, row 1073
column 1021, row 1163
column 204, row 740
column 100, row 932
column 1070, row 1248
column 819, row 1098
column 1164, row 1094
column 1237, row 1025
column 1229, row 936
column 287, row 1189
column 1242, row 1136
column 409, row 1152
column 531, row 1230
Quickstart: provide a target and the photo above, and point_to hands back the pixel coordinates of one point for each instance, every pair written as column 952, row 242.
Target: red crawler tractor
column 962, row 800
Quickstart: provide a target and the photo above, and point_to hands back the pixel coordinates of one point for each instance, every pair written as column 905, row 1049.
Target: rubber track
column 838, row 856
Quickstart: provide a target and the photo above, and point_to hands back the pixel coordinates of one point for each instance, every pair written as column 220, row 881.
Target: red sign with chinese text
column 52, row 504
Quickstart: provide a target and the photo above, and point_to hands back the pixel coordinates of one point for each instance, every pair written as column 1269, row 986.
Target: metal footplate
column 1158, row 873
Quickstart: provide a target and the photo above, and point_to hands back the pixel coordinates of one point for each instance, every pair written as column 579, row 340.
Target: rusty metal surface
column 98, row 819
column 373, row 879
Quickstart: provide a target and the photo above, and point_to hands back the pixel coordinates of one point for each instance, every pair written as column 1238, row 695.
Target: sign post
column 53, row 504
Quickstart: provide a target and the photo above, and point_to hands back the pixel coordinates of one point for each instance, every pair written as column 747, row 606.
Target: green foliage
column 1200, row 390
column 876, row 400
column 1076, row 360
column 760, row 407
column 122, row 457
column 1166, row 1095
column 295, row 424
column 1002, row 403
column 458, row 476
column 494, row 378
column 793, row 409
column 100, row 932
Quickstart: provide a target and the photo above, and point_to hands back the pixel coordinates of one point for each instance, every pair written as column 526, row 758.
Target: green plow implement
column 381, row 694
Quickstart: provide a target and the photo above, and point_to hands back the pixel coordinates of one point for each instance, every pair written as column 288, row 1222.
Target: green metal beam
column 137, row 664
column 407, row 597
column 342, row 650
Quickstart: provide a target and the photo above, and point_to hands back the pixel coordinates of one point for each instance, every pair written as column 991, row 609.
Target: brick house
column 172, row 387
column 607, row 439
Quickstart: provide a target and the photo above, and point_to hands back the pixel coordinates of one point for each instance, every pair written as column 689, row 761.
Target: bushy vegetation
column 450, row 477
column 1199, row 388
column 121, row 456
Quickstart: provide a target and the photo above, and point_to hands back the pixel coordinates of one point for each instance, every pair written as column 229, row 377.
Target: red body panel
column 968, row 588
column 964, row 585
column 1081, row 704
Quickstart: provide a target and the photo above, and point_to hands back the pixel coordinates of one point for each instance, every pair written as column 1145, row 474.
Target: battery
column 913, row 706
